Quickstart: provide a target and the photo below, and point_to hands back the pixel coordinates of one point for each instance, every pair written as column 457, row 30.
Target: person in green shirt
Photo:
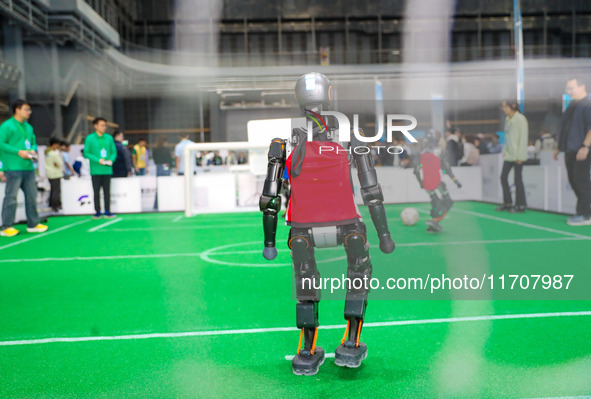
column 18, row 147
column 99, row 148
column 514, row 155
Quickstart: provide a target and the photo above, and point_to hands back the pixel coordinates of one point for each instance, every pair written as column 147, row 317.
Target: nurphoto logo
column 344, row 131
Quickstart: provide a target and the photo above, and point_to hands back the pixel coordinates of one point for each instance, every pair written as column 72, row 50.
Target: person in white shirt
column 82, row 165
column 65, row 151
column 514, row 155
column 471, row 152
column 179, row 154
column 54, row 171
column 546, row 142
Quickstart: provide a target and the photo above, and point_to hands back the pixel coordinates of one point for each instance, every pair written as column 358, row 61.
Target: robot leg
column 438, row 212
column 309, row 359
column 445, row 198
column 351, row 352
column 440, row 208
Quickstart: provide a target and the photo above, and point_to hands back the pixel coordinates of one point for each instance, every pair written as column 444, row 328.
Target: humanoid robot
column 322, row 213
column 431, row 164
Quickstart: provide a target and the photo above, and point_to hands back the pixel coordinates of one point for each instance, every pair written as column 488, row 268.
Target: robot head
column 313, row 90
column 431, row 140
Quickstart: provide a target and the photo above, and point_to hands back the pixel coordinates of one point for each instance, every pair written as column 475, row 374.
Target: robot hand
column 458, row 183
column 270, row 207
column 417, row 174
column 387, row 244
column 270, row 253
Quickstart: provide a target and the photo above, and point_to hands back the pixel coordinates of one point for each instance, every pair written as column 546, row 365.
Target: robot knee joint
column 299, row 242
column 357, row 250
column 356, row 246
column 355, row 240
column 302, row 249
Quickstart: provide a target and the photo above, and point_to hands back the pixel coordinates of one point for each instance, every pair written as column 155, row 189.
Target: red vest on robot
column 431, row 166
column 321, row 195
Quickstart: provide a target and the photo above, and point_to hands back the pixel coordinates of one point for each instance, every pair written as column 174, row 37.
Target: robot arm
column 447, row 170
column 417, row 173
column 371, row 191
column 270, row 201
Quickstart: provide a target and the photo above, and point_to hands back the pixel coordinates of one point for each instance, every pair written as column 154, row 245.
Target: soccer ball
column 409, row 216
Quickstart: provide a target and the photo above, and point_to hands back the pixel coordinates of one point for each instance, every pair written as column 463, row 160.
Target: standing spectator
column 482, row 143
column 140, row 158
column 18, row 147
column 574, row 141
column 461, row 140
column 546, row 142
column 441, row 142
column 122, row 164
column 514, row 155
column 217, row 159
column 199, row 158
column 231, row 158
column 54, row 171
column 208, row 158
column 82, row 165
column 386, row 159
column 65, row 153
column 162, row 157
column 242, row 158
column 406, row 161
column 399, row 143
column 532, row 158
column 494, row 147
column 452, row 148
column 99, row 148
column 374, row 153
column 179, row 153
column 471, row 152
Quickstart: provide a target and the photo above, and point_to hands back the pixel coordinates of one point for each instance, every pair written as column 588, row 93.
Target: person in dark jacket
column 575, row 141
column 122, row 165
column 452, row 148
column 162, row 155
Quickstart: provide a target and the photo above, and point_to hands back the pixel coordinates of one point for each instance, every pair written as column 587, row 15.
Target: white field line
column 196, row 227
column 176, row 219
column 130, row 337
column 97, row 228
column 256, row 251
column 523, row 224
column 40, row 235
column 107, row 257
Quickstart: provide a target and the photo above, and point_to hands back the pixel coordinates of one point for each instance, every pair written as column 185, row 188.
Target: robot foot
column 307, row 364
column 350, row 356
column 433, row 227
column 439, row 218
